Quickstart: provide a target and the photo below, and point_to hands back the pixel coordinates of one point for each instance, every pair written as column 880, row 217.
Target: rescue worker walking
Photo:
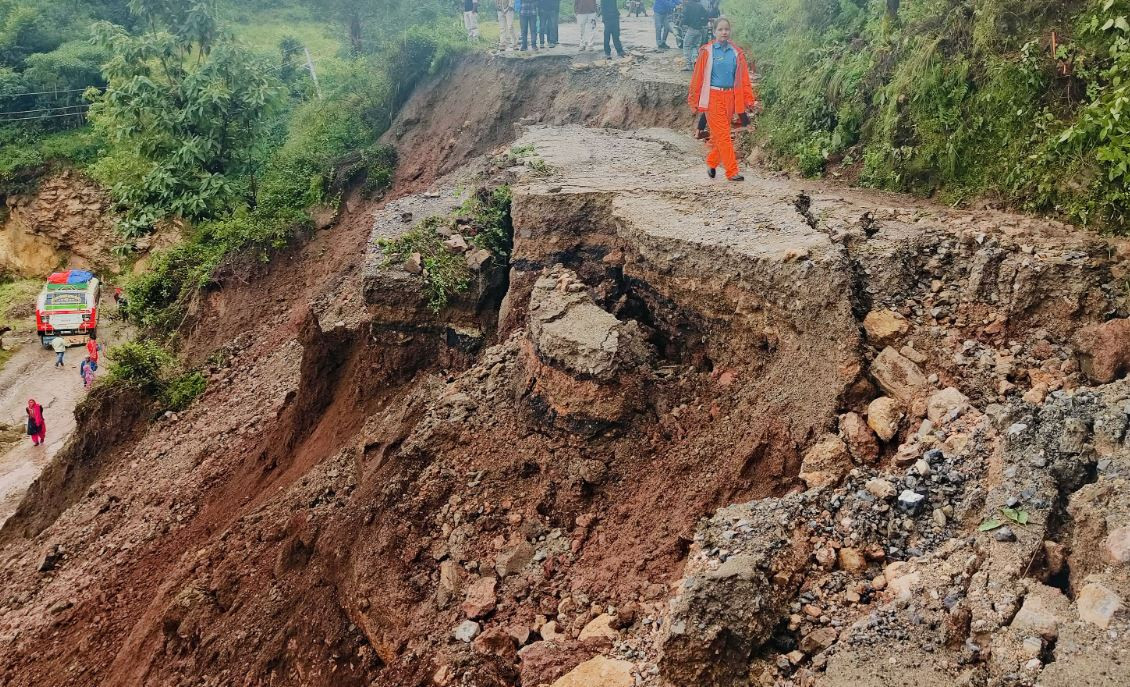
column 721, row 87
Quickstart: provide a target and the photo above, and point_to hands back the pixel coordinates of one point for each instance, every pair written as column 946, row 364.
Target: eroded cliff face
column 686, row 433
column 65, row 222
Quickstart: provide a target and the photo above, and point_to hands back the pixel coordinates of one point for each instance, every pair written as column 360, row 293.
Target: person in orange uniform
column 721, row 87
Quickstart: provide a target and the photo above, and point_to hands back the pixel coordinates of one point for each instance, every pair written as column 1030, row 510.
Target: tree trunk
column 892, row 9
column 355, row 33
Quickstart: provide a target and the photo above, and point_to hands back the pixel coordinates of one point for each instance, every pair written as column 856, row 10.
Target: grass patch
column 483, row 220
column 263, row 30
column 17, row 304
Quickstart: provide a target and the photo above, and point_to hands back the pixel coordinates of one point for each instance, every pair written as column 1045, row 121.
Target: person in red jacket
column 722, row 88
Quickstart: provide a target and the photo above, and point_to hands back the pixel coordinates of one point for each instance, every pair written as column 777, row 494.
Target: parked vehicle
column 68, row 307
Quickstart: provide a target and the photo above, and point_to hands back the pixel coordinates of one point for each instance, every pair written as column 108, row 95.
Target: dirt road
column 31, row 373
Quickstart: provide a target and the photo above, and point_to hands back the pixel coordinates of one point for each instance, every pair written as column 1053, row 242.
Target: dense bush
column 328, row 143
column 956, row 98
column 153, row 370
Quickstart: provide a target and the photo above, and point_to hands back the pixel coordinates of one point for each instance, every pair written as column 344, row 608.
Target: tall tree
column 186, row 105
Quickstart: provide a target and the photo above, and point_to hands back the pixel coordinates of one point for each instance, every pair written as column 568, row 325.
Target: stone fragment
column 1036, row 394
column 520, row 633
column 825, row 556
column 884, row 326
column 598, row 671
column 599, row 627
column 940, row 403
column 549, row 632
column 879, row 488
column 477, row 258
column 826, row 462
column 466, row 631
column 450, row 582
column 514, row 558
column 1004, row 534
column 414, row 264
column 912, row 354
column 1116, row 546
column 897, row 376
column 1040, row 614
column 480, row 599
column 456, row 244
column 852, row 561
column 884, row 415
column 859, row 438
column 818, row 640
column 1032, row 647
column 1097, row 604
column 497, row 642
column 910, row 501
column 1103, row 350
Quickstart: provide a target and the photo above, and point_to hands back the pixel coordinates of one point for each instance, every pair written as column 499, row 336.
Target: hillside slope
column 648, row 443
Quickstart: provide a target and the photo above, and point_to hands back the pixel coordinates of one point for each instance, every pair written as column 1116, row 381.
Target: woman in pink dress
column 36, row 428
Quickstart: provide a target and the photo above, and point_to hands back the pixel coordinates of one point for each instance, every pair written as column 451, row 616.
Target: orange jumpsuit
column 720, row 106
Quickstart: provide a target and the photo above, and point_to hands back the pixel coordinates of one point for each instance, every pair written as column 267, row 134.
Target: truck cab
column 68, row 307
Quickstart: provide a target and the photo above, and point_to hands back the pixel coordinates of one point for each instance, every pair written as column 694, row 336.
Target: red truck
column 68, row 307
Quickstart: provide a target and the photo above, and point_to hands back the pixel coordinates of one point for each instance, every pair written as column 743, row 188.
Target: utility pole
column 313, row 74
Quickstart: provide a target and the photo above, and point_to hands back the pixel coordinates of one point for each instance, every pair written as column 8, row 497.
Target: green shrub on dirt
column 150, row 368
column 1020, row 101
column 483, row 219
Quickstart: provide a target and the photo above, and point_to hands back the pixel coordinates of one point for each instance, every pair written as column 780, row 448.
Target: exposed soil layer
column 657, row 444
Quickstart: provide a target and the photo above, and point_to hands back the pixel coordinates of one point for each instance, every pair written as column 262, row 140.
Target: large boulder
column 726, row 609
column 1104, row 350
column 598, row 671
column 584, row 367
column 826, row 462
column 884, row 327
column 897, row 376
column 884, row 415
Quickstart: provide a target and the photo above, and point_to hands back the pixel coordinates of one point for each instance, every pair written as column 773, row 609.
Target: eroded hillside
column 682, row 432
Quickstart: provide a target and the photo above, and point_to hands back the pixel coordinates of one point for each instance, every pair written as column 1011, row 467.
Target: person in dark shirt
column 610, row 13
column 528, row 23
column 696, row 21
column 548, row 11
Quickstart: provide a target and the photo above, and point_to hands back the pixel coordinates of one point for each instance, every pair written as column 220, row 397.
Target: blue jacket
column 664, row 6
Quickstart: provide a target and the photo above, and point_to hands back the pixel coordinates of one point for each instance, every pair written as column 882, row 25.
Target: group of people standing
column 538, row 23
column 721, row 88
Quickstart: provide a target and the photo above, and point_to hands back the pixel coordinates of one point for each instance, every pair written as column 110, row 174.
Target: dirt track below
column 31, row 373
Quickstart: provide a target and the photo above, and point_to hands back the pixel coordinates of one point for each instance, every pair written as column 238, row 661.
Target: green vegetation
column 156, row 372
column 17, row 304
column 1020, row 101
column 483, row 219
